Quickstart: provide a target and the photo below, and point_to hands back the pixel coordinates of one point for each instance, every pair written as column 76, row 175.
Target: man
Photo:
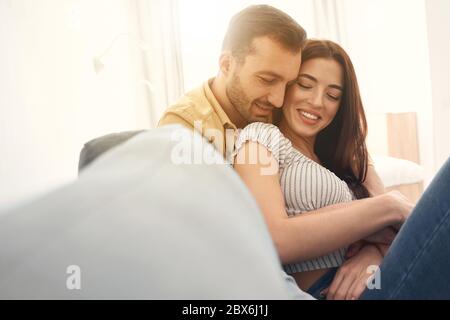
column 261, row 56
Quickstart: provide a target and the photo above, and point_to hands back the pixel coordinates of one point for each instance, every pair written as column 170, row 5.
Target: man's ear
column 225, row 62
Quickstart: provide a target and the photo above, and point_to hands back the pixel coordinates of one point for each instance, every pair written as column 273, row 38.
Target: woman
column 309, row 176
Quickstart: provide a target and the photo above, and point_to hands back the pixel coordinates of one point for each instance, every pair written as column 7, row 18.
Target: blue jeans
column 417, row 265
column 323, row 283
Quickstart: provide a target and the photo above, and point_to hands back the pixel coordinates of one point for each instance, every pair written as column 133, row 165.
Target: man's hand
column 354, row 248
column 351, row 278
column 384, row 236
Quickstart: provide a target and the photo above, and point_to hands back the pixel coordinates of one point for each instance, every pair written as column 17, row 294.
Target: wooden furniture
column 395, row 135
column 403, row 144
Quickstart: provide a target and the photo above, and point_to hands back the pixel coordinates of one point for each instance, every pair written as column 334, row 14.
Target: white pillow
column 395, row 171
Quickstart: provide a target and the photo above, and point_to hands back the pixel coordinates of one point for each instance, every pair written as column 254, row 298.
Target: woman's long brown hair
column 341, row 146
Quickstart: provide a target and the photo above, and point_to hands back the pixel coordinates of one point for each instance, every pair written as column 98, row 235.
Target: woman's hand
column 351, row 278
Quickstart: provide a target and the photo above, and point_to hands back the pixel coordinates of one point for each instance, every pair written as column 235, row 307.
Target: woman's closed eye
column 333, row 97
column 304, row 86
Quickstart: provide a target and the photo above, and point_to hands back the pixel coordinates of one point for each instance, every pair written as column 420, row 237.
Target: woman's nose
column 316, row 98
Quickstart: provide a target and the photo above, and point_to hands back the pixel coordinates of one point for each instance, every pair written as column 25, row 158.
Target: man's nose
column 276, row 97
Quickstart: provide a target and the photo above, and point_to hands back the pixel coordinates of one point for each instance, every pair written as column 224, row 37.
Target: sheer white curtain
column 162, row 65
column 329, row 20
column 74, row 70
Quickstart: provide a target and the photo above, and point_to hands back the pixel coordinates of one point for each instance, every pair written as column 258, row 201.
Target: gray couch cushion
column 141, row 227
column 94, row 148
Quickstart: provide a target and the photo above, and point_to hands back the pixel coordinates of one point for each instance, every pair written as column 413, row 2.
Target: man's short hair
column 258, row 21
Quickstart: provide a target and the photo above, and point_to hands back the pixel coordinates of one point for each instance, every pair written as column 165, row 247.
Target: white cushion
column 395, row 171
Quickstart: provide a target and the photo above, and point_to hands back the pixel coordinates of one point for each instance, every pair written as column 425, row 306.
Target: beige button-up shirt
column 200, row 110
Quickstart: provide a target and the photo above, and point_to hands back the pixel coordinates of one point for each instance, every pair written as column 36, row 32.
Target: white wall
column 388, row 43
column 51, row 100
column 438, row 18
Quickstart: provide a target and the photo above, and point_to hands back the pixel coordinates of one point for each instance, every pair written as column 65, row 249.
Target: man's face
column 258, row 84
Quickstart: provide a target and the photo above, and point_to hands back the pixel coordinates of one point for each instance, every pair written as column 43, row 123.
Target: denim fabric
column 417, row 265
column 321, row 284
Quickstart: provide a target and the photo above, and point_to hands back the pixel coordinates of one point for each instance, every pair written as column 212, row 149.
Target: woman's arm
column 315, row 233
column 375, row 187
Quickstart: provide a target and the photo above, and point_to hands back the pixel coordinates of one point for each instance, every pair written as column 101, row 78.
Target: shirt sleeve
column 174, row 118
column 267, row 135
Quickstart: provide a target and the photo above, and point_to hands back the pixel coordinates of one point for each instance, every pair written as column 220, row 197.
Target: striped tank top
column 306, row 185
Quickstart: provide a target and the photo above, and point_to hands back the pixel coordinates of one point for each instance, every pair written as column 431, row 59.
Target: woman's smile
column 308, row 117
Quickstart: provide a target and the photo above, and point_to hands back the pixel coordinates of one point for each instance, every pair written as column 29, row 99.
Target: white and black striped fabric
column 306, row 185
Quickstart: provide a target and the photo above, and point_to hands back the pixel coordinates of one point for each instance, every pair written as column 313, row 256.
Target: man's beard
column 242, row 104
column 238, row 98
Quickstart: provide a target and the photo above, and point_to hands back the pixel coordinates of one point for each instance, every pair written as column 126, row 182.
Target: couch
column 135, row 225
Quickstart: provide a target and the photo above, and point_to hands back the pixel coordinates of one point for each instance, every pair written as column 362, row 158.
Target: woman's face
column 312, row 103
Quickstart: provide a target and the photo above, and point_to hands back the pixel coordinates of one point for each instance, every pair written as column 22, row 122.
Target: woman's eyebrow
column 304, row 75
column 335, row 86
